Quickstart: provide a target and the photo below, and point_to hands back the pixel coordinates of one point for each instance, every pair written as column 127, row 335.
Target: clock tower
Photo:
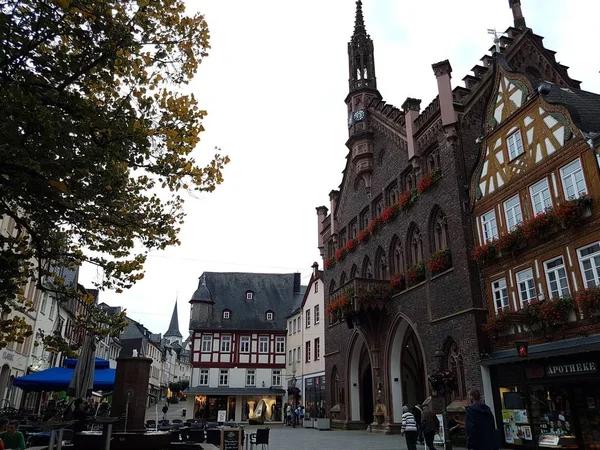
column 363, row 89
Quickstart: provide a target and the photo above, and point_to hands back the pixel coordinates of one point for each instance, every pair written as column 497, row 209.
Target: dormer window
column 515, row 144
column 270, row 315
column 226, row 314
column 249, row 295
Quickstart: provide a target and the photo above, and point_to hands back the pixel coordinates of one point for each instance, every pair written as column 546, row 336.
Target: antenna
column 496, row 38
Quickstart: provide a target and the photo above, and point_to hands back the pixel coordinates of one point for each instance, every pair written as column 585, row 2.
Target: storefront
column 314, row 396
column 551, row 402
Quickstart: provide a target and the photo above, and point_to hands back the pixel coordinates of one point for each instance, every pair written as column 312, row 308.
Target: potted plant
column 443, row 382
column 440, row 261
column 323, row 422
column 588, row 301
column 415, row 274
column 484, row 253
column 398, row 283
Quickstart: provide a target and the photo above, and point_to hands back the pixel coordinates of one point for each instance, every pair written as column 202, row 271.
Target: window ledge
column 441, row 274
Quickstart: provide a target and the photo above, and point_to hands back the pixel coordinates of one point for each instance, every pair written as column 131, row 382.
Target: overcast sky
column 274, row 88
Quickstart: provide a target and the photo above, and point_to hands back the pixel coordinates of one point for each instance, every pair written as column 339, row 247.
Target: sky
column 274, row 85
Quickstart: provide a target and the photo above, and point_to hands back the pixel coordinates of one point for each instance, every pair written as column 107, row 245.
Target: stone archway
column 4, row 381
column 360, row 389
column 406, row 368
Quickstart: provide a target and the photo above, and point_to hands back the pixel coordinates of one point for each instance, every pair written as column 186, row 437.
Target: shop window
column 489, row 228
column 556, row 277
column 500, row 294
column 526, row 286
column 250, row 377
column 540, row 197
column 589, row 259
column 512, row 212
column 572, row 180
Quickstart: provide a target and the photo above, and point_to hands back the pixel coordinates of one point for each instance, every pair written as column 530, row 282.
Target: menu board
column 231, row 439
column 516, row 426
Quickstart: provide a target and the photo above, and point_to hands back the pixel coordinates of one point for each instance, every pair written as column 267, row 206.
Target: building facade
column 535, row 194
column 295, row 367
column 404, row 296
column 238, row 352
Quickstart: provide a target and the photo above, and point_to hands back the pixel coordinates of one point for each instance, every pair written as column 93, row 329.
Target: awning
column 546, row 350
column 205, row 390
column 57, row 379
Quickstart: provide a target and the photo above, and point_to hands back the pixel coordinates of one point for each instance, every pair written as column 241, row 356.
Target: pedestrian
column 430, row 424
column 409, row 428
column 481, row 428
column 288, row 414
column 11, row 438
column 165, row 410
column 418, row 413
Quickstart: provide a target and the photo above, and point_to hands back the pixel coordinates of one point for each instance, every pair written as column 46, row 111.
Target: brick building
column 401, row 283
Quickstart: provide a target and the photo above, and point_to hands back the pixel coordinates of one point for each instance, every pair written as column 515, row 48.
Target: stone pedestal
column 130, row 395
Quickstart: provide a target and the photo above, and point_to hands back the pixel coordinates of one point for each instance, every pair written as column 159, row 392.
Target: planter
column 323, row 424
column 308, row 423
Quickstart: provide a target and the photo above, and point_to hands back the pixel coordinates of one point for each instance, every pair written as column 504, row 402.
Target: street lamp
column 440, row 356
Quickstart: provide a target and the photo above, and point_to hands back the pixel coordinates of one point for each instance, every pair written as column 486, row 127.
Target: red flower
column 567, row 213
column 484, row 253
column 440, row 261
column 398, row 283
column 329, row 263
column 539, row 226
column 509, row 242
column 588, row 300
column 363, row 236
column 404, row 200
column 374, row 225
column 339, row 254
column 389, row 213
column 415, row 274
column 424, row 183
column 350, row 245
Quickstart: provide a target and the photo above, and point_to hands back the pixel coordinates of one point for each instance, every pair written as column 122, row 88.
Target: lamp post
column 440, row 356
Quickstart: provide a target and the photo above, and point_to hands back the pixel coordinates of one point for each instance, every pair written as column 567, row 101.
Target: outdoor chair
column 261, row 437
column 177, row 421
column 164, row 422
column 213, row 436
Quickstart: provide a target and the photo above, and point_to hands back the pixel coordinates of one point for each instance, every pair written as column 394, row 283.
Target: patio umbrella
column 82, row 383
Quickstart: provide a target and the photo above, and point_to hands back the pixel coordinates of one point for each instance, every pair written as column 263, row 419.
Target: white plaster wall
column 316, row 330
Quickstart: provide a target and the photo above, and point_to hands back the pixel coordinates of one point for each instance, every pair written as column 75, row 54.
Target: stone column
column 130, row 394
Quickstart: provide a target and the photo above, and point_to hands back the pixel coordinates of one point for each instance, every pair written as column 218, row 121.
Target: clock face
column 359, row 115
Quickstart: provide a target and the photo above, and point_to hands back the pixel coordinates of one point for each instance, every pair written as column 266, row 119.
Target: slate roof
column 174, row 325
column 271, row 292
column 583, row 106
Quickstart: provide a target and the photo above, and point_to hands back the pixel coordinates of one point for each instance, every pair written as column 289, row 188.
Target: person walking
column 288, row 414
column 418, row 413
column 409, row 428
column 430, row 425
column 165, row 410
column 481, row 428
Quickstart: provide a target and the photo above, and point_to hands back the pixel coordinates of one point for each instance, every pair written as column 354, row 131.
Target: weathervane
column 497, row 37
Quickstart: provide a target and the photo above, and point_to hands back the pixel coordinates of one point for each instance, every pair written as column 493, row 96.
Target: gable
column 544, row 129
column 511, row 92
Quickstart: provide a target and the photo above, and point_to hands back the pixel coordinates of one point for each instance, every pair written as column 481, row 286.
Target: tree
column 95, row 139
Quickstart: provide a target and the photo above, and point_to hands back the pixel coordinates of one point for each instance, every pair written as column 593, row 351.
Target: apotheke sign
column 559, row 370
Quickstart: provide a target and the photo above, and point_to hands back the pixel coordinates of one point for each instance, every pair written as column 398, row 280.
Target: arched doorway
column 360, row 382
column 367, row 395
column 407, row 369
column 4, row 381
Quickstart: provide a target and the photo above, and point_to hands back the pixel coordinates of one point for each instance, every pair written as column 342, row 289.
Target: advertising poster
column 516, row 426
column 439, row 437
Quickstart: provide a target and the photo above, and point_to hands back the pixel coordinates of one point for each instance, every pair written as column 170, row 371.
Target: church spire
column 361, row 55
column 515, row 5
column 173, row 330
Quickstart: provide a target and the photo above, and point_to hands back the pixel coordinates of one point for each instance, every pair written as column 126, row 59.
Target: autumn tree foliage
column 95, row 139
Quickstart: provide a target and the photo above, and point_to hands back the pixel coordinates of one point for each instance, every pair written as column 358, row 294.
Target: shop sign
column 8, row 356
column 558, row 370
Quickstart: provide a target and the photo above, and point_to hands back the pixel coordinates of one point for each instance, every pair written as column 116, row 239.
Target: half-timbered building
column 535, row 195
column 403, row 291
column 238, row 356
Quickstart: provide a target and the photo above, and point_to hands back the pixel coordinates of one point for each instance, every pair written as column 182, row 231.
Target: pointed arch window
column 353, row 271
column 381, row 265
column 415, row 242
column 440, row 232
column 457, row 367
column 433, row 161
column 367, row 268
column 343, row 279
column 332, row 286
column 397, row 265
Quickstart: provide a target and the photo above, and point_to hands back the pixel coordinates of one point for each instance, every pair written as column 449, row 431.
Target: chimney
column 315, row 268
column 411, row 108
column 515, row 5
column 333, row 198
column 297, row 282
column 443, row 71
column 321, row 214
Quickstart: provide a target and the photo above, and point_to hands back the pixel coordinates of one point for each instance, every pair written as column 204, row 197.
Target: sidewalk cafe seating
column 261, row 437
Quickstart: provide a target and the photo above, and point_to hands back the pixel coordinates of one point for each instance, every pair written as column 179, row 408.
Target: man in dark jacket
column 418, row 413
column 481, row 428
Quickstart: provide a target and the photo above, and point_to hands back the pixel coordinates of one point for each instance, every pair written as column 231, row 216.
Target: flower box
column 351, row 245
column 588, row 301
column 484, row 253
column 415, row 274
column 329, row 263
column 398, row 283
column 340, row 254
column 363, row 236
column 374, row 225
column 440, row 261
column 405, row 200
column 389, row 213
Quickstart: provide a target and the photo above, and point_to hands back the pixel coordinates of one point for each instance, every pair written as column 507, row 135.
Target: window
column 489, row 227
column 317, row 286
column 280, row 344
column 397, row 256
column 500, row 294
column 526, row 285
column 224, row 377
column 250, row 377
column 353, row 230
column 364, row 219
column 299, row 355
column 269, row 315
column 512, row 212
column 226, row 314
column 289, row 327
column 51, row 313
column 263, row 344
column 515, row 144
column 589, row 258
column 245, row 344
column 249, row 295
column 203, row 377
column 44, row 302
column 290, row 360
column 556, row 275
column 317, row 314
column 307, row 351
column 572, row 180
column 317, row 348
column 294, row 358
column 206, row 343
column 225, row 344
column 307, row 315
column 276, row 378
column 294, row 326
column 440, row 232
column 540, row 196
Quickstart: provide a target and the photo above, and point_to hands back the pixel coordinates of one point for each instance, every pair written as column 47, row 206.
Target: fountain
column 128, row 413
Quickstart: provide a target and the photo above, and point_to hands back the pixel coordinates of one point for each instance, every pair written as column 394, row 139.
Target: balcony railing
column 363, row 292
